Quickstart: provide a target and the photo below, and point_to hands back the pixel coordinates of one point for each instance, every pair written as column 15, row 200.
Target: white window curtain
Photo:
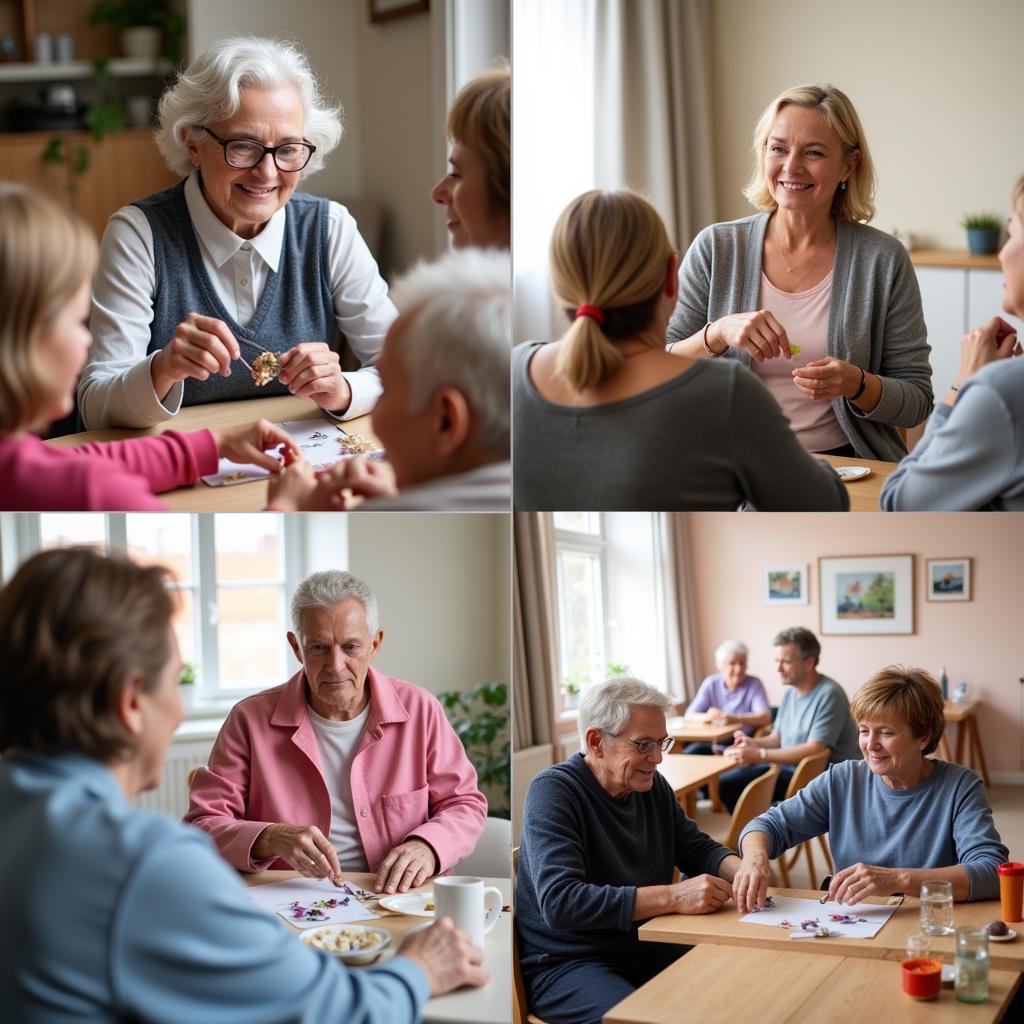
column 606, row 94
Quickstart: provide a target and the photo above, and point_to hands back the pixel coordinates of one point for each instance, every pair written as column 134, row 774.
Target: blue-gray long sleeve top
column 583, row 855
column 943, row 821
column 971, row 455
column 113, row 913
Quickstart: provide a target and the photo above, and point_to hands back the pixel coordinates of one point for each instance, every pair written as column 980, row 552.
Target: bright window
column 232, row 574
column 579, row 556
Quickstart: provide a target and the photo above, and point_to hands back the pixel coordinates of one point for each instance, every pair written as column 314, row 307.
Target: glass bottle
column 971, row 965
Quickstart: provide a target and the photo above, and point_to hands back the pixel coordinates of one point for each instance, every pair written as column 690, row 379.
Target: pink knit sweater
column 110, row 476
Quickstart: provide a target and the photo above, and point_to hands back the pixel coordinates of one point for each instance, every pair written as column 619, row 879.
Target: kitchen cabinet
column 957, row 295
column 122, row 168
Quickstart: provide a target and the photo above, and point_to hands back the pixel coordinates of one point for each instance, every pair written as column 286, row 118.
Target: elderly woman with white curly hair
column 232, row 262
column 601, row 835
column 443, row 416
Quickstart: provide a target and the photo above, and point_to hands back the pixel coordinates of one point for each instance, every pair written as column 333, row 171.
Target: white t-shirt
column 337, row 742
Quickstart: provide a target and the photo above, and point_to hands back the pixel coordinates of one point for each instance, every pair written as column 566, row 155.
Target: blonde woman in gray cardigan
column 605, row 418
column 824, row 309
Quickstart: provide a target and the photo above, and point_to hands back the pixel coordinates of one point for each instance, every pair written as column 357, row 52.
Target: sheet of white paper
column 318, row 440
column 790, row 912
column 306, row 894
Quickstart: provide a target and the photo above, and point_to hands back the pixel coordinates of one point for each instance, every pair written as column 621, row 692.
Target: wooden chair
column 754, row 800
column 807, row 769
column 192, row 773
column 520, row 1011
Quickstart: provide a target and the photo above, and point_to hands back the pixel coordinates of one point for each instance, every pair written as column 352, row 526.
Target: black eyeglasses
column 646, row 746
column 244, row 153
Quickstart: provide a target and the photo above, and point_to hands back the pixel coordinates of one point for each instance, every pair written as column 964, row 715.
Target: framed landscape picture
column 866, row 595
column 785, row 584
column 948, row 579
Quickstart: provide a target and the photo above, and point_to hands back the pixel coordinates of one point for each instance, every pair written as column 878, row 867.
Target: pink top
column 410, row 776
column 805, row 317
column 107, row 476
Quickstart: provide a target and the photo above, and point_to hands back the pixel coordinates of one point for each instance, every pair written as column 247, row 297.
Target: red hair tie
column 593, row 312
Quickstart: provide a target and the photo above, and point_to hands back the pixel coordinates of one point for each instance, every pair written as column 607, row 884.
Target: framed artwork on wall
column 385, row 10
column 785, row 584
column 948, row 579
column 868, row 595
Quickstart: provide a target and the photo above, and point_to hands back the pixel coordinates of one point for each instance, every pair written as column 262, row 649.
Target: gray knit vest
column 295, row 306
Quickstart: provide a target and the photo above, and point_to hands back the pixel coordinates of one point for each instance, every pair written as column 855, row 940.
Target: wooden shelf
column 121, row 67
column 959, row 259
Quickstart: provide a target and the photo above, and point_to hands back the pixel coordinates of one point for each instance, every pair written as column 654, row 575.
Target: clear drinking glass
column 918, row 945
column 971, row 965
column 937, row 908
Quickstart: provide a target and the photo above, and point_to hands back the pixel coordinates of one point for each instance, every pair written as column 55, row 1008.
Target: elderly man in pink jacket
column 341, row 768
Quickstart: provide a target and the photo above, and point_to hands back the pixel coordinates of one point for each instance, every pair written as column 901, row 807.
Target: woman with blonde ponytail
column 605, row 418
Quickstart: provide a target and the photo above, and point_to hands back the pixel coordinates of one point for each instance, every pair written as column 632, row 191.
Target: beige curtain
column 534, row 670
column 681, row 653
column 653, row 107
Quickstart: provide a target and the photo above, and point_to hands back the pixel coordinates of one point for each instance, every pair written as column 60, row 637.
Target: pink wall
column 980, row 641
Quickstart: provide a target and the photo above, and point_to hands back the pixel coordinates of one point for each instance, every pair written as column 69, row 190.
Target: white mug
column 472, row 906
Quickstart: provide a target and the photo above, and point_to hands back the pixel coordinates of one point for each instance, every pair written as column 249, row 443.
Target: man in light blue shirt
column 814, row 717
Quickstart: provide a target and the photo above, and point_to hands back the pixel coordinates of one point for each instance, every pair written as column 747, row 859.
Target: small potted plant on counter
column 146, row 28
column 982, row 233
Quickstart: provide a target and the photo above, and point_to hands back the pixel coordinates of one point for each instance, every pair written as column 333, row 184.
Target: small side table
column 967, row 729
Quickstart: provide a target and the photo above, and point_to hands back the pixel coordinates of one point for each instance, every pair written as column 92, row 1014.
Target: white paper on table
column 790, row 912
column 318, row 440
column 278, row 897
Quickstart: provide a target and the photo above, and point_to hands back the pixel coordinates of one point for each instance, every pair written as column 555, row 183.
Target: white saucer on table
column 848, row 473
column 412, row 903
column 1008, row 937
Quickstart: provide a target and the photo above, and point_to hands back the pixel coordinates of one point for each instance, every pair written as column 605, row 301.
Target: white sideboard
column 955, row 300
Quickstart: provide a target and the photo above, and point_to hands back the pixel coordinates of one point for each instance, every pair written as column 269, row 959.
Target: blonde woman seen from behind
column 605, row 418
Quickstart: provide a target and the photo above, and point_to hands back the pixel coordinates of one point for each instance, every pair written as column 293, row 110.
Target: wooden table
column 724, row 929
column 686, row 773
column 491, row 1004
column 864, row 493
column 695, row 730
column 247, row 497
column 809, row 987
column 963, row 714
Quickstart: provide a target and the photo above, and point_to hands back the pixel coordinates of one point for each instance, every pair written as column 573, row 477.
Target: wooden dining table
column 491, row 1004
column 241, row 497
column 691, row 729
column 775, row 988
column 686, row 773
column 724, row 928
column 864, row 493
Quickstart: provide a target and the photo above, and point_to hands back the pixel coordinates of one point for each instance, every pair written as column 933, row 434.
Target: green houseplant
column 480, row 717
column 141, row 26
column 982, row 232
column 573, row 684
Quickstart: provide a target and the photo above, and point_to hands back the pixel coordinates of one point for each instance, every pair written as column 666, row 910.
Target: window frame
column 22, row 537
column 594, row 545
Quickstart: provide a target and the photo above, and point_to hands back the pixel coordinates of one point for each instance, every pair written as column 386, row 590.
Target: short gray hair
column 458, row 333
column 806, row 642
column 208, row 90
column 727, row 647
column 608, row 705
column 329, row 588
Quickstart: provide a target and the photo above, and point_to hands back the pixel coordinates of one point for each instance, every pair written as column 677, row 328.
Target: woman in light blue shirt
column 112, row 913
column 895, row 819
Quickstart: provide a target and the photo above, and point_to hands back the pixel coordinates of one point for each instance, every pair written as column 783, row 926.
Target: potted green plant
column 480, row 717
column 982, row 233
column 146, row 28
column 573, row 684
column 187, row 682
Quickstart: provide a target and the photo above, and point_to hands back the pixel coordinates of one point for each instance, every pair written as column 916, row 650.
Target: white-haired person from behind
column 443, row 416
